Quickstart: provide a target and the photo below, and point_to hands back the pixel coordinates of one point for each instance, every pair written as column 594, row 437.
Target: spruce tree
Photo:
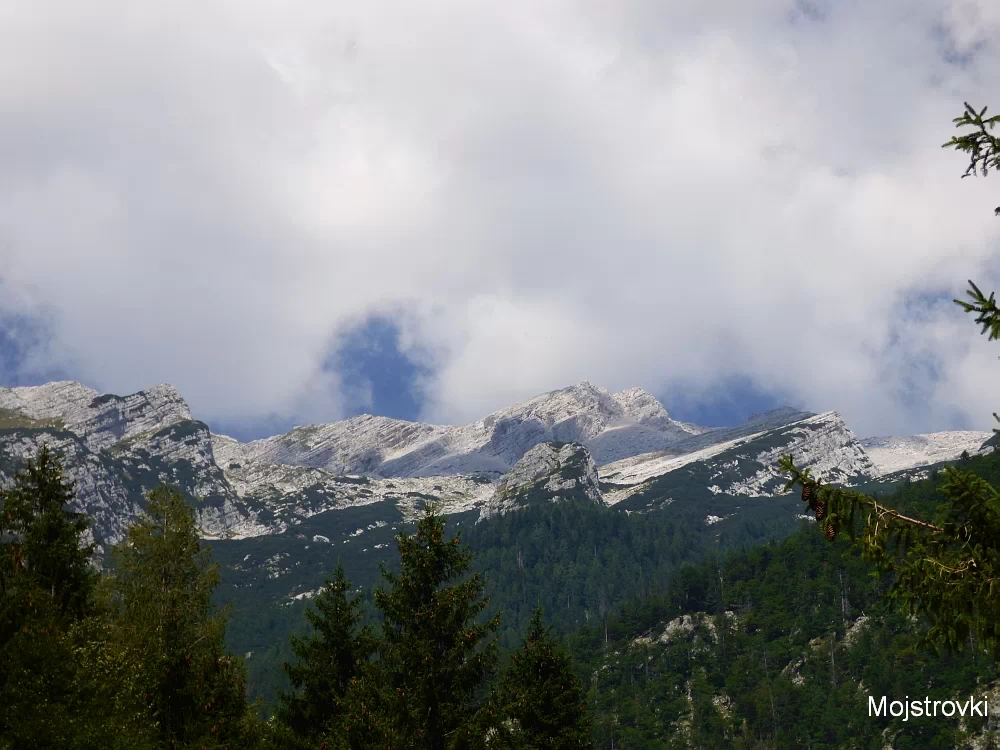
column 163, row 616
column 541, row 703
column 43, row 544
column 330, row 661
column 112, row 710
column 46, row 582
column 434, row 657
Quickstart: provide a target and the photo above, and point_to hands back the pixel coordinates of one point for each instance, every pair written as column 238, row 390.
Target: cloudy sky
column 299, row 210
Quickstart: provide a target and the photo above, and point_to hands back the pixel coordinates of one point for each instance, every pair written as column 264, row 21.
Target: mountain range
column 614, row 448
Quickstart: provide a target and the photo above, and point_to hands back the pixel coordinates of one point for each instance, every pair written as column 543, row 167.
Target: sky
column 304, row 210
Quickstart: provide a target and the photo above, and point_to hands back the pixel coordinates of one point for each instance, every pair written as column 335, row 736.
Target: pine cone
column 807, row 492
column 820, row 508
column 831, row 532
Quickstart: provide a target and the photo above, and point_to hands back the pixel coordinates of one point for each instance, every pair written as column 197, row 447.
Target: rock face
column 611, row 425
column 892, row 454
column 549, row 472
column 116, row 448
column 551, row 447
column 100, row 420
column 746, row 465
column 822, row 443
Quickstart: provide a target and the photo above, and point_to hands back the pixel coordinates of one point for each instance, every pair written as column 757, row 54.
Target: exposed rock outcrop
column 549, row 472
column 100, row 420
column 611, row 425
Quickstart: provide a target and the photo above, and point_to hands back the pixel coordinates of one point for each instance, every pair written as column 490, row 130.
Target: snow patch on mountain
column 286, row 495
column 893, row 454
column 637, row 469
column 641, row 406
column 747, row 465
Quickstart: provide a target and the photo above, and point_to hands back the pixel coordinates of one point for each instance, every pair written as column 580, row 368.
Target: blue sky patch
column 376, row 376
column 730, row 404
column 21, row 339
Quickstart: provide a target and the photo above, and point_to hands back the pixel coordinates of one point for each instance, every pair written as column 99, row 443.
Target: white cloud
column 641, row 192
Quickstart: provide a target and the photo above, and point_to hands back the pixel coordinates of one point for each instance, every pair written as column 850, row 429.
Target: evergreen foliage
column 45, row 587
column 434, row 656
column 541, row 703
column 577, row 560
column 329, row 662
column 112, row 707
column 773, row 647
column 43, row 542
column 162, row 618
column 945, row 569
column 982, row 146
column 774, row 655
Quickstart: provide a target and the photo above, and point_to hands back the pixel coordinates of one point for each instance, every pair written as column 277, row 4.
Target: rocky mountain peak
column 612, row 426
column 548, row 472
column 892, row 453
column 101, row 420
column 557, row 406
column 547, row 447
column 63, row 400
column 641, row 406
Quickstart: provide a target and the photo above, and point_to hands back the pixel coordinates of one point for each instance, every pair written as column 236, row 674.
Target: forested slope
column 779, row 646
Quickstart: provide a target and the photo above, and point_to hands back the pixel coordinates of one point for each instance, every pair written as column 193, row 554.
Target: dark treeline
column 135, row 657
column 580, row 561
column 577, row 560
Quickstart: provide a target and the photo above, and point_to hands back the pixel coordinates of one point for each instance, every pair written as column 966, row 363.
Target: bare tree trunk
column 833, row 663
column 774, row 716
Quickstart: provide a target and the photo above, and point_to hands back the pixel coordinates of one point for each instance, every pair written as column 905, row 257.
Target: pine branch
column 883, row 512
column 982, row 146
column 966, row 566
column 989, row 313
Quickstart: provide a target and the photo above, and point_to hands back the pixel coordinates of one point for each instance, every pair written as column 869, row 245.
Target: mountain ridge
column 631, row 421
column 119, row 447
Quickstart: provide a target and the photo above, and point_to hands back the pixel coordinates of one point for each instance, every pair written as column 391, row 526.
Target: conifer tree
column 43, row 543
column 112, row 710
column 45, row 585
column 946, row 568
column 162, row 590
column 330, row 661
column 541, row 703
column 434, row 657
